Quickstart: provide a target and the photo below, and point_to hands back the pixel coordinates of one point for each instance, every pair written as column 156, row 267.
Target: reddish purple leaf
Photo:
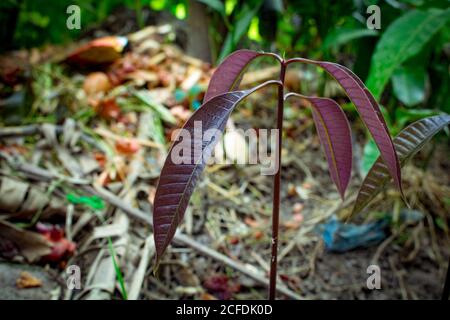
column 334, row 133
column 181, row 171
column 407, row 143
column 229, row 73
column 368, row 109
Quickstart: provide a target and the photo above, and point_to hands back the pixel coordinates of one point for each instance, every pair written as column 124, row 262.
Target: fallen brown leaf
column 31, row 245
column 26, row 281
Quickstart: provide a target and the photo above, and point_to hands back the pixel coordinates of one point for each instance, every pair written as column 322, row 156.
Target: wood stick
column 179, row 238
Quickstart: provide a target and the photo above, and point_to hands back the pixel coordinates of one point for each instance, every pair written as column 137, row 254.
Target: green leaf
column 253, row 30
column 341, row 36
column 441, row 223
column 123, row 290
column 94, row 202
column 241, row 27
column 409, row 85
column 403, row 39
column 161, row 110
column 370, row 155
column 156, row 130
column 215, row 5
column 404, row 116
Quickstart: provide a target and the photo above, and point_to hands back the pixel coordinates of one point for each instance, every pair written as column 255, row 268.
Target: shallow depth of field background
column 108, row 126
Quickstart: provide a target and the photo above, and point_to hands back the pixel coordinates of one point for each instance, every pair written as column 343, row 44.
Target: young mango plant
column 177, row 180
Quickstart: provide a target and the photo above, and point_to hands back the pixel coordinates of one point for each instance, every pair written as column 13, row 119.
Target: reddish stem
column 276, row 187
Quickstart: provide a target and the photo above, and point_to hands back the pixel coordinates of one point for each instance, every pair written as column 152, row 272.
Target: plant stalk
column 277, row 187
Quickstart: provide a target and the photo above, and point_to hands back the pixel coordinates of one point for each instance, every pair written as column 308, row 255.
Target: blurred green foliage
column 405, row 63
column 33, row 23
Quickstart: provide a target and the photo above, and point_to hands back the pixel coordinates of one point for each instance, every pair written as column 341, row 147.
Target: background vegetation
column 408, row 56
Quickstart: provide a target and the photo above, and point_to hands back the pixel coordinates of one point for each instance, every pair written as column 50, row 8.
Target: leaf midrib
column 331, row 147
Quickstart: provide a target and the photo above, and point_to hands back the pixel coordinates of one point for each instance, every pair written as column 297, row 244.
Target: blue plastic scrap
column 341, row 237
